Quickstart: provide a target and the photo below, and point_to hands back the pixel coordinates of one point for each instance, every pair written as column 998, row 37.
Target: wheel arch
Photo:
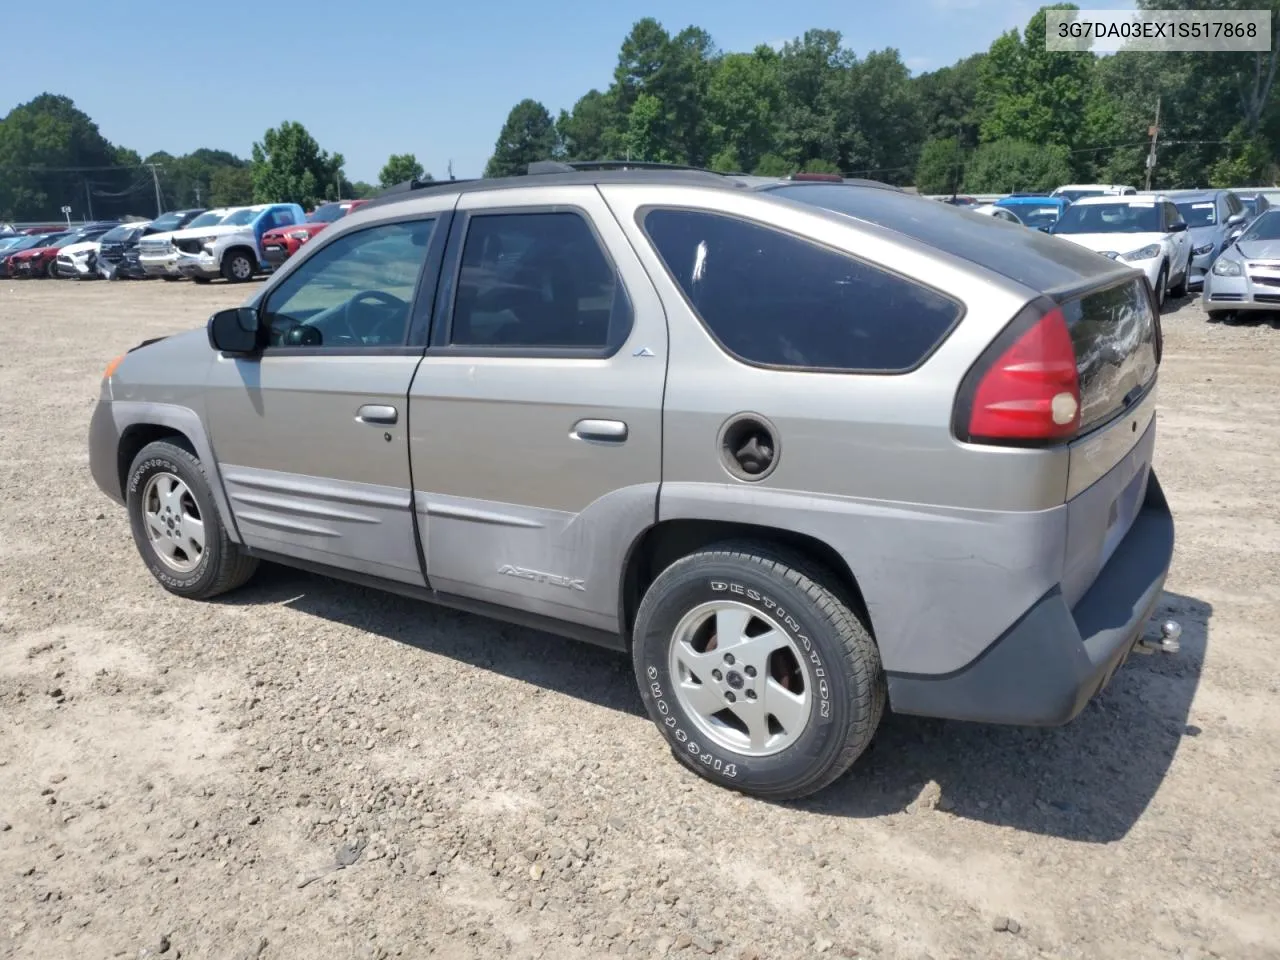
column 667, row 541
column 139, row 423
column 247, row 250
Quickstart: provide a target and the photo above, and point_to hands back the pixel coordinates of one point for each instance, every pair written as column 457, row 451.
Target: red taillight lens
column 1030, row 392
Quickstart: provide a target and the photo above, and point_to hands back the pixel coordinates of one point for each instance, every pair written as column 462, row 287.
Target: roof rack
column 581, row 166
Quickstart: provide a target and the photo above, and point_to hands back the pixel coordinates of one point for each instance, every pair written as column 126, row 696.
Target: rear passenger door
column 535, row 417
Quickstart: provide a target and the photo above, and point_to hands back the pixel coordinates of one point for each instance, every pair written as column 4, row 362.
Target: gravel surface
column 309, row 769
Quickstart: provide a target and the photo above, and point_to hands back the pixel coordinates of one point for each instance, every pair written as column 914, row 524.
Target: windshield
column 1074, row 195
column 1034, row 216
column 1198, row 213
column 72, row 238
column 8, row 243
column 1110, row 218
column 26, row 243
column 241, row 217
column 1250, row 205
column 120, row 234
column 326, row 214
column 1266, row 227
column 166, row 224
column 210, row 219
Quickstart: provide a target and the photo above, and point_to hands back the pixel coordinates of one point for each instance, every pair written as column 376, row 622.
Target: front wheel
column 1162, row 286
column 756, row 670
column 176, row 526
column 1180, row 290
column 51, row 271
column 237, row 267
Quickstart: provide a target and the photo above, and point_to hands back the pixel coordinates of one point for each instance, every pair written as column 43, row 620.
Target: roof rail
column 586, row 166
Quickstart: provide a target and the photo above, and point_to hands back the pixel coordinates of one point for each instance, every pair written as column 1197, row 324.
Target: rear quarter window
column 772, row 298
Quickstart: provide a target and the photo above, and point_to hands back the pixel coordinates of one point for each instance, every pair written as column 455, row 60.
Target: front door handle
column 600, row 431
column 377, row 413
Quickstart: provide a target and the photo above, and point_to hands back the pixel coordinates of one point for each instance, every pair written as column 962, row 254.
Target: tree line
column 1015, row 117
column 53, row 155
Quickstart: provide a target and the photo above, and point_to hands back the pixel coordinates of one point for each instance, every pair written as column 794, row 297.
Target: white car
column 999, row 213
column 1078, row 191
column 78, row 260
column 156, row 253
column 232, row 249
column 1146, row 232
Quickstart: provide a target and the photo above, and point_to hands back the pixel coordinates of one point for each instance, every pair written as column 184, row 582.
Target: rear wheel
column 176, row 526
column 237, row 267
column 756, row 671
column 1180, row 290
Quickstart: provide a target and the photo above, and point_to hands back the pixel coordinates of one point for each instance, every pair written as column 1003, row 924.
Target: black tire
column 222, row 566
column 51, row 271
column 842, row 666
column 1162, row 286
column 232, row 269
column 201, row 280
column 1180, row 291
column 1219, row 316
column 168, row 279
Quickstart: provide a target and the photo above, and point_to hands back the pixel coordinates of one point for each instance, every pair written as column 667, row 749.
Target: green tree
column 818, row 165
column 1006, row 166
column 646, row 127
column 1033, row 94
column 743, row 97
column 878, row 120
column 290, row 167
column 588, row 133
column 230, row 187
column 950, row 104
column 811, row 72
column 773, row 165
column 399, row 168
column 528, row 135
column 941, row 166
column 363, row 191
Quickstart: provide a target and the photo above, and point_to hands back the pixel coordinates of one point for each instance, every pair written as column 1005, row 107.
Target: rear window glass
column 776, row 299
column 1114, row 333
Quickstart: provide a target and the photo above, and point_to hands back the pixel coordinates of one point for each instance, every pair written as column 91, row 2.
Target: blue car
column 1035, row 209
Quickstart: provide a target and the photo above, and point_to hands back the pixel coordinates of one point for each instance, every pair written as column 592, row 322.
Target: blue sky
column 434, row 79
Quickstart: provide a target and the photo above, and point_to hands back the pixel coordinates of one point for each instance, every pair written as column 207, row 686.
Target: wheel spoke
column 789, row 709
column 703, row 698
column 756, row 721
column 155, row 525
column 731, row 626
column 192, row 530
column 167, row 547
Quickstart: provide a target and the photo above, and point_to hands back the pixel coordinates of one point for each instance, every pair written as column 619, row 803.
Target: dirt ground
column 172, row 774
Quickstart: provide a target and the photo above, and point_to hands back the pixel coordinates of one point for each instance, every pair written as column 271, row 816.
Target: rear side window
column 776, row 299
column 1114, row 333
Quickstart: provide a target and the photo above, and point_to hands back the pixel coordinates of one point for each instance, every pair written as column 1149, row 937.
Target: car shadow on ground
column 1090, row 780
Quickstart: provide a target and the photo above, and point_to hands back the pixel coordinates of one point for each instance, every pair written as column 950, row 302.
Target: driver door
column 310, row 436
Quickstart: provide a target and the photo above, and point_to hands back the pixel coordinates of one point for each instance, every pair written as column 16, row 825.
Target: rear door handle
column 377, row 413
column 600, row 431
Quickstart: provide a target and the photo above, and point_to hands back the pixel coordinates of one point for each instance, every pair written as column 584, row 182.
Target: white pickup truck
column 233, row 248
column 156, row 253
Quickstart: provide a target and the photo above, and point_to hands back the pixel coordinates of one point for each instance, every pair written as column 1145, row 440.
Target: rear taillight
column 1025, row 389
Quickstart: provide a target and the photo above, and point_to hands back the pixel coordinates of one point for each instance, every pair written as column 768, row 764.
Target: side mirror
column 1236, row 219
column 1178, row 227
column 234, row 331
column 1045, row 228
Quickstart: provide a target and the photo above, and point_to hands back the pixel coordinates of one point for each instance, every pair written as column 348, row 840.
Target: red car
column 281, row 243
column 25, row 245
column 42, row 259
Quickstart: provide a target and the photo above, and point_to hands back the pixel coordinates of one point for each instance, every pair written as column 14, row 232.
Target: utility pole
column 156, row 180
column 1151, row 153
column 197, row 193
column 88, row 196
column 338, row 179
column 451, row 177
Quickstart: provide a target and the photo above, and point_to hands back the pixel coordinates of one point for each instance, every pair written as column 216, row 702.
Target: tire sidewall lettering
column 137, row 479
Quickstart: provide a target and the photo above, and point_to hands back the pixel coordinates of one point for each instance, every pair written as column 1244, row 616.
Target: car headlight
column 1109, row 253
column 1204, row 248
column 303, row 235
column 1227, row 268
column 1149, row 252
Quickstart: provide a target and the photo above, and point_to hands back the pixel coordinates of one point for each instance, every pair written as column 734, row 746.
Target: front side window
column 774, row 298
column 241, row 217
column 537, row 280
column 353, row 292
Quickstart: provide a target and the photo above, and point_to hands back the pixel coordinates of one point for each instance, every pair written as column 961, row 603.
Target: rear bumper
column 1049, row 664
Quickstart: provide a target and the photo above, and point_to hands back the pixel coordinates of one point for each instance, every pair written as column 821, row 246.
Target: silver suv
column 805, row 450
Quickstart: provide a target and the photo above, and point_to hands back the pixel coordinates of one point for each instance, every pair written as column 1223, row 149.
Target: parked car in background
column 754, row 434
column 156, row 253
column 960, row 200
column 233, row 248
column 1246, row 276
column 1214, row 219
column 1078, row 191
column 48, row 228
column 1146, row 232
column 41, row 261
column 118, row 251
column 1255, row 202
column 1036, row 210
column 77, row 261
column 997, row 212
column 27, row 242
column 281, row 243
